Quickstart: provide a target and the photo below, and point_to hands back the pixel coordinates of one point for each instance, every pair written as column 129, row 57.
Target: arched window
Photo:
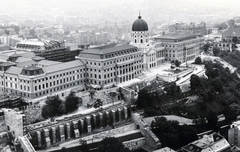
column 135, row 41
column 141, row 41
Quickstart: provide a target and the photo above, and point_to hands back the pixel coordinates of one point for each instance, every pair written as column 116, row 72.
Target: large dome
column 140, row 25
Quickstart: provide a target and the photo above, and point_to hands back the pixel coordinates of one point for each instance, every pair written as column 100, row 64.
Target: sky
column 121, row 8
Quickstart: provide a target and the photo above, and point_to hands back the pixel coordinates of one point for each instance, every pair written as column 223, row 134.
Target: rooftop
column 211, row 143
column 175, row 36
column 48, row 63
column 14, row 70
column 108, row 49
column 22, row 59
column 62, row 66
column 165, row 149
column 32, row 68
column 32, row 42
column 26, row 63
column 231, row 32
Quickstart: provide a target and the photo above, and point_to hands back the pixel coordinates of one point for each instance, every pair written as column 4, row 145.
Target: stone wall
column 135, row 144
column 151, row 138
column 100, row 94
column 4, row 140
column 127, row 93
column 3, row 126
column 26, row 146
column 44, row 135
column 110, row 133
column 14, row 121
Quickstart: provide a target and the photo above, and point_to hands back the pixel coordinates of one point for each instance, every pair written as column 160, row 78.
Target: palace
column 28, row 72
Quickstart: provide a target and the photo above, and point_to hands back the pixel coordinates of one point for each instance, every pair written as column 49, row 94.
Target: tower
column 140, row 38
column 140, row 32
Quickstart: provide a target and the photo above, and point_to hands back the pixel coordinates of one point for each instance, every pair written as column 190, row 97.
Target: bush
column 198, row 60
column 216, row 51
column 111, row 144
column 177, row 63
column 71, row 103
column 54, row 107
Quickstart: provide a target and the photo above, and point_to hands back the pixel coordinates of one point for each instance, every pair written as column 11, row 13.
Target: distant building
column 234, row 133
column 13, row 40
column 182, row 47
column 165, row 149
column 50, row 50
column 191, row 28
column 232, row 34
column 223, row 45
column 209, row 143
column 4, row 47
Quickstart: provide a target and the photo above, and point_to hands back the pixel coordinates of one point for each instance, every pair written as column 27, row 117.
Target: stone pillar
column 61, row 133
column 53, row 135
column 125, row 112
column 88, row 123
column 113, row 116
column 120, row 114
column 107, row 118
column 46, row 137
column 88, row 120
column 94, row 117
column 81, row 126
column 39, row 139
column 100, row 119
column 67, row 131
column 89, row 128
column 75, row 129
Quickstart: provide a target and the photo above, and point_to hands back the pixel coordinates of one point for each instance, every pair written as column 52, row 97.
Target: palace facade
column 23, row 71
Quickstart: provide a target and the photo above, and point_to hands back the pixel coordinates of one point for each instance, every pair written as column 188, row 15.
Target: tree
column 177, row 63
column 205, row 47
column 230, row 114
column 71, row 102
column 194, row 82
column 171, row 133
column 212, row 119
column 172, row 89
column 111, row 144
column 216, row 51
column 54, row 107
column 198, row 60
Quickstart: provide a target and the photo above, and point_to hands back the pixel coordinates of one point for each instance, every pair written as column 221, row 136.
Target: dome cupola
column 140, row 24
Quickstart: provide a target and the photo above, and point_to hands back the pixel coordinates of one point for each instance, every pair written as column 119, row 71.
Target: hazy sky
column 125, row 8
